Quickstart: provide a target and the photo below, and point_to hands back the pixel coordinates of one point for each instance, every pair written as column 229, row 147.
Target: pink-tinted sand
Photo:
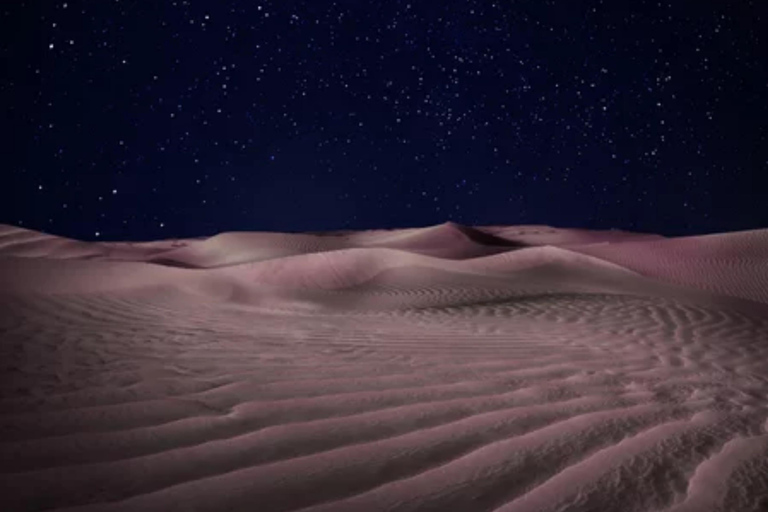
column 446, row 368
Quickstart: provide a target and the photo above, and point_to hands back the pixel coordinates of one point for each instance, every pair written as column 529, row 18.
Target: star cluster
column 127, row 119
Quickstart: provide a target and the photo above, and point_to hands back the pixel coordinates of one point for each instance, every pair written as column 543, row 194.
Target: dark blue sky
column 136, row 119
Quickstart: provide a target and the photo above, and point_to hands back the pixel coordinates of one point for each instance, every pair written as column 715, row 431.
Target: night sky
column 138, row 119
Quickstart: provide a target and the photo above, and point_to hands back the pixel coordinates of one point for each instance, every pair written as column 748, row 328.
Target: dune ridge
column 489, row 368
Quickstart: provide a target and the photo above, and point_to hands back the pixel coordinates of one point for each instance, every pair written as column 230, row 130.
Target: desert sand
column 445, row 368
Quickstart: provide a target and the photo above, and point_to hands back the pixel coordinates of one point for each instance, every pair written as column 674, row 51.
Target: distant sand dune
column 447, row 368
column 731, row 263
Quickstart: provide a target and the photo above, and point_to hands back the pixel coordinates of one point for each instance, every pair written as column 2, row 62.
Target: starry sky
column 133, row 120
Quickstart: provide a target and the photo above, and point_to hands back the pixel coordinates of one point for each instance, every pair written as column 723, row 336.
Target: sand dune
column 449, row 240
column 21, row 242
column 731, row 263
column 546, row 235
column 446, row 368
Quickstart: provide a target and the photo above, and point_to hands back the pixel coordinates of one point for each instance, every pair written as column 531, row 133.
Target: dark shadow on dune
column 167, row 262
column 483, row 238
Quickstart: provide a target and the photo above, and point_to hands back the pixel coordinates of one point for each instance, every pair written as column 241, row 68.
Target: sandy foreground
column 447, row 368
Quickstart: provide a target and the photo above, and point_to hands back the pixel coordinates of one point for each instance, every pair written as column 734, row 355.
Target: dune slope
column 734, row 264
